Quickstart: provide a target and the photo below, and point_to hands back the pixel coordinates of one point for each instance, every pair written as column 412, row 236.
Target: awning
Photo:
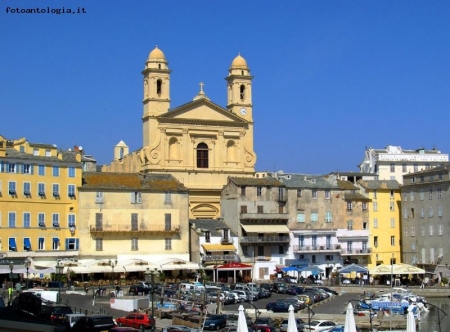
column 266, row 228
column 184, row 266
column 218, row 247
column 234, row 266
column 12, row 244
column 27, row 243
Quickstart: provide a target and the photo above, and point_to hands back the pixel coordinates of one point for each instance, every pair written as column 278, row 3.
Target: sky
column 330, row 77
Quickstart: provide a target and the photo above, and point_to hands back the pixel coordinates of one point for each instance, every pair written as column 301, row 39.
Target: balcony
column 221, row 258
column 105, row 229
column 226, row 240
column 264, row 216
column 310, row 248
column 357, row 251
column 247, row 240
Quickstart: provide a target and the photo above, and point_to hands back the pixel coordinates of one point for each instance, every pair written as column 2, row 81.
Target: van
column 192, row 287
column 45, row 295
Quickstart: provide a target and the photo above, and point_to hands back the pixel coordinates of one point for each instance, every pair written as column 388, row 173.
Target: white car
column 319, row 325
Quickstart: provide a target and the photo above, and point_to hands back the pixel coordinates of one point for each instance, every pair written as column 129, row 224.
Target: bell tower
column 239, row 85
column 156, row 90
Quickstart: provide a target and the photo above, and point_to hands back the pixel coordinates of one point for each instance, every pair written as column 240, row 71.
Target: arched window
column 231, row 151
column 121, row 153
column 173, row 149
column 158, row 87
column 242, row 92
column 202, row 155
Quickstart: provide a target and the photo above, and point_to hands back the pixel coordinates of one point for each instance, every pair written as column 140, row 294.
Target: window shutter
column 139, row 198
column 133, row 198
column 31, row 169
column 67, row 244
column 77, row 244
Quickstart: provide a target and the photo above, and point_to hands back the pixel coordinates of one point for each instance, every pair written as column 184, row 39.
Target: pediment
column 201, row 110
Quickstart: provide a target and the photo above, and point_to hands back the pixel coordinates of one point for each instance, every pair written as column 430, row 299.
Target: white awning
column 266, row 228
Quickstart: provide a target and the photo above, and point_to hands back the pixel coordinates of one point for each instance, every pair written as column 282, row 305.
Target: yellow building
column 384, row 223
column 38, row 202
column 200, row 143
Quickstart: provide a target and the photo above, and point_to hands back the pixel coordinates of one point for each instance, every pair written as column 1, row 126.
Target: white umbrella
column 242, row 322
column 410, row 321
column 292, row 323
column 350, row 325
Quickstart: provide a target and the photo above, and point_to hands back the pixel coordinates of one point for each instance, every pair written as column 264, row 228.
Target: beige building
column 200, row 143
column 135, row 220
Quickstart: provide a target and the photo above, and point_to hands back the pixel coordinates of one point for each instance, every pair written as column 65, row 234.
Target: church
column 199, row 142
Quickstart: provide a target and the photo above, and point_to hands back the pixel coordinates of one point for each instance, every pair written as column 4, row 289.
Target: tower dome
column 156, row 53
column 239, row 62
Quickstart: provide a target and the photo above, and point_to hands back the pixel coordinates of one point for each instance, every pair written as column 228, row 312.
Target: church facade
column 200, row 143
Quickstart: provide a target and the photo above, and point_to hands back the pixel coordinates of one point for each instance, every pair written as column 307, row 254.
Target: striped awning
column 218, row 247
column 266, row 228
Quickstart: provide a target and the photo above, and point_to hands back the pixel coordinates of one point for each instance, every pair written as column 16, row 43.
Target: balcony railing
column 226, row 240
column 264, row 216
column 217, row 258
column 310, row 248
column 356, row 251
column 264, row 239
column 129, row 229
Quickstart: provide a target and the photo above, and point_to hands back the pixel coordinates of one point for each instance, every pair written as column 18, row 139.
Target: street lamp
column 27, row 266
column 113, row 265
column 150, row 277
column 11, row 266
column 59, row 271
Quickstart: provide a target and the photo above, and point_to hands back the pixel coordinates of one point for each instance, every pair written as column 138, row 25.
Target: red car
column 136, row 320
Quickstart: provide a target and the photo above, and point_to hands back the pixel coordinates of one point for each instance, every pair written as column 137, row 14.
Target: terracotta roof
column 133, row 181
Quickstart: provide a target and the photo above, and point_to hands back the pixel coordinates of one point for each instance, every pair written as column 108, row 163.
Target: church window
column 242, row 92
column 202, row 155
column 173, row 148
column 231, row 151
column 158, row 87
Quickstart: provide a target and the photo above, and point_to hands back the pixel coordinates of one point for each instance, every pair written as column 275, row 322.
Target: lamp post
column 150, row 277
column 11, row 267
column 59, row 271
column 113, row 265
column 27, row 266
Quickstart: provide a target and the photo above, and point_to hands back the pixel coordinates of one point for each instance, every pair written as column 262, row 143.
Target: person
column 18, row 287
column 117, row 290
column 10, row 294
column 422, row 284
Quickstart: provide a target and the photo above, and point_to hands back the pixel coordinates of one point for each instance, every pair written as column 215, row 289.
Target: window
column 260, row 209
column 258, row 191
column 364, row 206
column 413, row 231
column 431, row 230
column 405, row 196
column 439, row 211
column 301, row 241
column 243, row 208
column 243, row 191
column 26, row 219
column 41, row 170
column 281, row 250
column 392, row 240
column 12, row 188
column 314, row 194
column 71, row 220
column 349, row 246
column 392, row 167
column 405, row 213
column 134, row 221
column 168, row 198
column 391, row 194
column 35, row 152
column 392, row 206
column 375, row 222
column 430, row 212
column 439, row 193
column 71, row 191
column 168, row 244
column 55, row 171
column 99, row 244
column 41, row 243
column 374, row 194
column 411, row 196
column 365, row 225
column 422, row 230
column 328, row 243
column 71, row 172
column 413, row 246
column 27, row 189
column 404, row 168
column 300, row 217
column 349, row 205
column 12, row 244
column 72, row 244
column 349, row 225
column 134, row 244
column 421, row 194
column 27, row 169
column 202, row 155
column 55, row 219
column 440, row 176
column 375, row 206
column 440, row 230
column 208, row 236
column 299, row 193
column 422, row 212
column 41, row 219
column 41, row 190
column 56, row 190
column 314, row 217
column 327, row 194
column 405, row 231
column 427, row 166
column 99, row 197
column 11, row 219
column 392, row 222
column 48, row 153
column 313, row 259
column 168, row 221
column 260, row 251
column 314, row 241
column 412, row 213
column 135, row 197
column 242, row 92
column 328, row 216
column 55, row 243
column 12, row 168
column 430, row 193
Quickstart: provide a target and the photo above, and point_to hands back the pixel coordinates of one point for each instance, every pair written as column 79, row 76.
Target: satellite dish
column 80, row 148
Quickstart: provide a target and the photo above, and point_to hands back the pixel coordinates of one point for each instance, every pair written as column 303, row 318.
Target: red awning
column 234, row 266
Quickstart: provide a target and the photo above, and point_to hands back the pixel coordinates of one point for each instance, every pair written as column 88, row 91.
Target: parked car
column 176, row 328
column 232, row 319
column 280, row 287
column 94, row 323
column 138, row 288
column 329, row 290
column 294, row 290
column 264, row 328
column 137, row 320
column 215, row 322
column 319, row 325
column 299, row 321
column 340, row 328
column 55, row 312
column 260, row 321
column 281, row 306
column 267, row 286
column 69, row 320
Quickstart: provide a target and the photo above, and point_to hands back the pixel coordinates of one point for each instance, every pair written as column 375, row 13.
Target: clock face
column 243, row 111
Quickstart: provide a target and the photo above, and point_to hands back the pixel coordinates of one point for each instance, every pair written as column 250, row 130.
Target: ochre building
column 200, row 143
